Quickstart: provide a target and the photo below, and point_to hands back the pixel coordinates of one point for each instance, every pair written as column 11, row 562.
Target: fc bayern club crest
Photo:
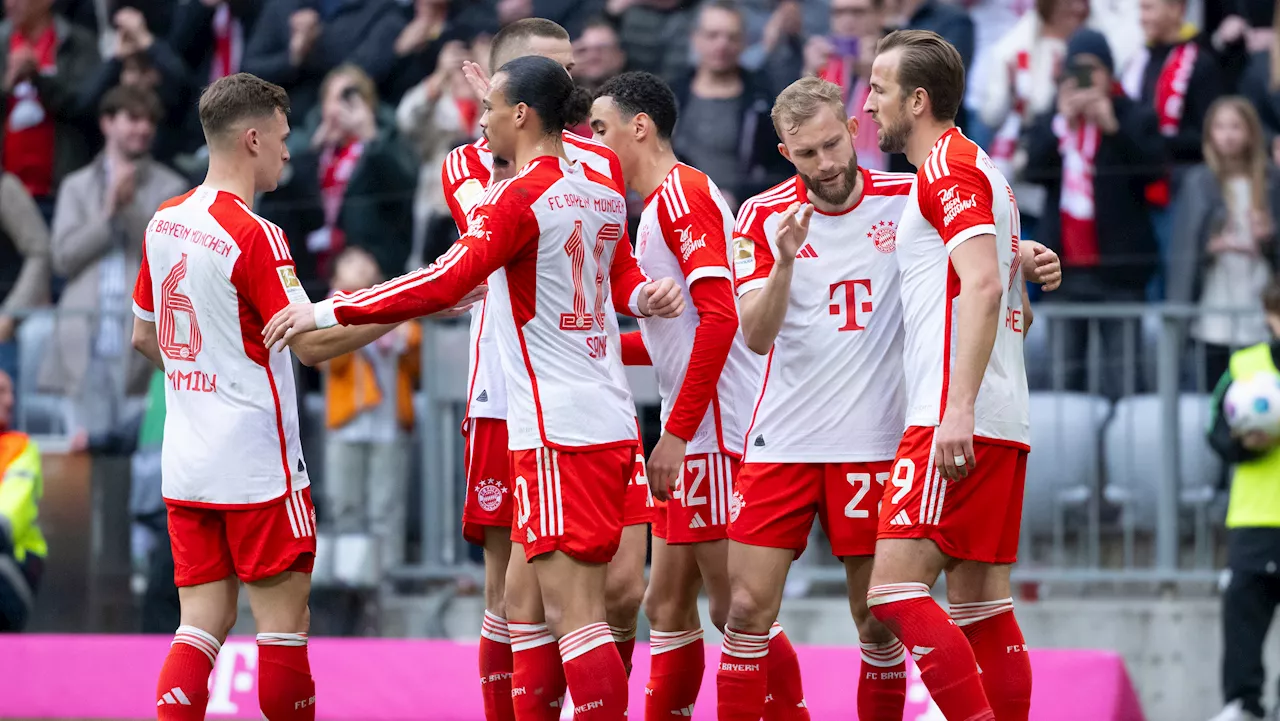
column 885, row 235
column 489, row 493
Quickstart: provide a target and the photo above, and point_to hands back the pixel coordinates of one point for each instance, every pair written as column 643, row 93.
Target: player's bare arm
column 977, row 315
column 1040, row 265
column 764, row 310
column 146, row 342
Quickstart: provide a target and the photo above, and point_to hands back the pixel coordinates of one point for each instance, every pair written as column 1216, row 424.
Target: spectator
column 1253, row 532
column 1242, row 33
column 22, row 546
column 725, row 130
column 295, row 43
column 845, row 59
column 24, row 264
column 419, row 45
column 1020, row 86
column 1261, row 85
column 655, row 34
column 441, row 113
column 1225, row 224
column 1095, row 154
column 348, row 154
column 141, row 60
column 774, row 39
column 597, row 54
column 101, row 215
column 39, row 75
column 369, row 409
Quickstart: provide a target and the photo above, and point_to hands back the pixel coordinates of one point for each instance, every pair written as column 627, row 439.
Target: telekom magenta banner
column 114, row 677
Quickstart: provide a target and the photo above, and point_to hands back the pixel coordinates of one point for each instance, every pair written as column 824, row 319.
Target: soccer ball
column 1253, row 405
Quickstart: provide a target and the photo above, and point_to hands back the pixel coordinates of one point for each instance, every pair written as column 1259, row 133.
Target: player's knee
column 622, row 597
column 719, row 611
column 870, row 630
column 495, row 595
column 748, row 611
column 667, row 611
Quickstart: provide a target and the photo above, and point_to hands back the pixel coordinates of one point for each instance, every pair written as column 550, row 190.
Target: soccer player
column 557, row 231
column 486, row 517
column 235, row 482
column 706, row 376
column 954, row 500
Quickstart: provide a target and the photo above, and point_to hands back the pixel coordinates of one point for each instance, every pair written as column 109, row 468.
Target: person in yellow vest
column 369, row 412
column 22, row 545
column 1253, row 531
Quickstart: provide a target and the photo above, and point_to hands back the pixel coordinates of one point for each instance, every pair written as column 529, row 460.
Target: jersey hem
column 233, row 506
column 607, row 445
column 827, row 458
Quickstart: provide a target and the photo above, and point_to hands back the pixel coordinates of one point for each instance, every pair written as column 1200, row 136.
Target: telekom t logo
column 845, row 302
column 234, row 680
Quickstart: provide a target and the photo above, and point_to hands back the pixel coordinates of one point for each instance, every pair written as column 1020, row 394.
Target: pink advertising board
column 114, row 677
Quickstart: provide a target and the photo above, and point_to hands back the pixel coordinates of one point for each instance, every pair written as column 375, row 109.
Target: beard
column 893, row 136
column 834, row 194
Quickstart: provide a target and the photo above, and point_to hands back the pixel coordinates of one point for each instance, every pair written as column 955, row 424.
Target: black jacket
column 760, row 165
column 174, row 93
column 1125, row 164
column 1204, row 87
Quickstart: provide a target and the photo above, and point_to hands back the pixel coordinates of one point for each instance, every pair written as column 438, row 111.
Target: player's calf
column 675, row 643
column 625, row 589
column 882, row 683
column 208, row 613
column 496, row 664
column 994, row 634
column 537, row 674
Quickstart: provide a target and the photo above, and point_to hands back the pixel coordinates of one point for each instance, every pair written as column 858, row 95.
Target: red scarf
column 1078, row 146
column 1005, row 143
column 1171, row 87
column 228, row 44
column 29, row 137
column 336, row 167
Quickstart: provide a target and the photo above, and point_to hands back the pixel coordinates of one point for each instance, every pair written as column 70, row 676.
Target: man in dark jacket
column 1096, row 154
column 725, row 130
column 296, row 42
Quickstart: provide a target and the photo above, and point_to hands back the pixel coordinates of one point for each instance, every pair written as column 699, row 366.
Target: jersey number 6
column 176, row 311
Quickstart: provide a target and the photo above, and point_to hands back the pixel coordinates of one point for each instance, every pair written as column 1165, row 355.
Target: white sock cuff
column 199, row 639
column 622, row 634
column 661, row 642
column 745, row 645
column 282, row 639
column 495, row 629
column 884, row 655
column 774, row 630
column 966, row 614
column 528, row 636
column 584, row 640
column 893, row 592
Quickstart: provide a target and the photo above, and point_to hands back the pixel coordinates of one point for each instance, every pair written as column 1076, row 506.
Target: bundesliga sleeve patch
column 744, row 256
column 292, row 286
column 468, row 194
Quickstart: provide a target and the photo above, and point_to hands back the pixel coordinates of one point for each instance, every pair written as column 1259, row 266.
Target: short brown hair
column 238, row 97
column 505, row 44
column 138, row 102
column 802, row 100
column 930, row 63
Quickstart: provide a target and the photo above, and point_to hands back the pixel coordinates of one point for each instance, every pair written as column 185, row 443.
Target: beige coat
column 20, row 220
column 82, row 235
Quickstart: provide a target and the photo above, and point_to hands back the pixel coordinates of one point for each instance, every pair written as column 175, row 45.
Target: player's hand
column 1045, row 268
column 476, row 77
column 953, row 454
column 293, row 319
column 793, row 228
column 463, row 305
column 664, row 465
column 661, row 298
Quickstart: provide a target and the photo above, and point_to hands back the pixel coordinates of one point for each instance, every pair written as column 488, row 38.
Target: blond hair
column 1255, row 161
column 800, row 101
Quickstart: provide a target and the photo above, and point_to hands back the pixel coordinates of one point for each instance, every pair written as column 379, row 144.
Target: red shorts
column 977, row 518
column 251, row 544
column 639, row 506
column 699, row 507
column 571, row 501
column 488, row 463
column 776, row 502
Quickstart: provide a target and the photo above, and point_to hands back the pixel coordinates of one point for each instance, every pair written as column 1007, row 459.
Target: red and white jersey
column 832, row 390
column 684, row 234
column 212, row 274
column 557, row 230
column 464, row 178
column 960, row 195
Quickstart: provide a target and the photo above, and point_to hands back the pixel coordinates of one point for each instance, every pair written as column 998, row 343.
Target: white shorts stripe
column 293, row 519
column 713, row 493
column 559, row 500
column 928, row 483
column 542, row 492
column 942, row 496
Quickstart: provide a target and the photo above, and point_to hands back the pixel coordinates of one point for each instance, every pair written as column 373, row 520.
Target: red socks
column 784, row 700
column 625, row 640
column 740, row 681
column 183, row 690
column 1001, row 653
column 942, row 652
column 286, row 691
column 882, row 687
column 495, row 668
column 675, row 674
column 597, row 680
column 537, row 678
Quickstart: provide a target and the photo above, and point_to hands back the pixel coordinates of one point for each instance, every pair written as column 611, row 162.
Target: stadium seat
column 38, row 413
column 1132, row 445
column 1063, row 467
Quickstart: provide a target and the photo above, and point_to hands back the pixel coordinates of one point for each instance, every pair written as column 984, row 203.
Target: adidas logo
column 483, row 397
column 920, row 652
column 175, row 697
column 301, row 468
column 528, row 536
column 697, row 521
column 686, row 711
column 902, row 519
column 802, row 704
column 807, row 252
column 759, row 442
